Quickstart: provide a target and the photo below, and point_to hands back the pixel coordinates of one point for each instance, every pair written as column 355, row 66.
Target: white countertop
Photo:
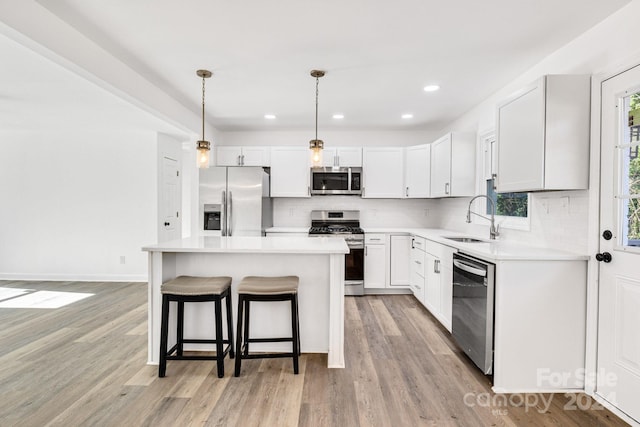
column 490, row 250
column 242, row 244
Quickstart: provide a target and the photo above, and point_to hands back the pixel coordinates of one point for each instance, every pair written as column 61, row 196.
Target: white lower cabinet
column 375, row 261
column 432, row 277
column 399, row 248
column 417, row 268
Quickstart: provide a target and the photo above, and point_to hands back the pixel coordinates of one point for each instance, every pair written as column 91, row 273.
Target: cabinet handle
column 417, row 262
column 242, row 160
column 494, row 176
column 413, row 241
column 239, row 162
column 406, row 193
column 436, row 266
column 446, row 188
column 375, row 238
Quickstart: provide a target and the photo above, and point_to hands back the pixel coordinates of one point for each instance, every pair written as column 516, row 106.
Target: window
column 512, row 209
column 507, row 204
column 629, row 191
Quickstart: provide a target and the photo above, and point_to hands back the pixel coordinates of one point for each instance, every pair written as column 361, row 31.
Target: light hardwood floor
column 85, row 365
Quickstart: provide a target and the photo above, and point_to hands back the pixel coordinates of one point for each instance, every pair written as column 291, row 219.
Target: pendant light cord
column 317, row 80
column 203, row 109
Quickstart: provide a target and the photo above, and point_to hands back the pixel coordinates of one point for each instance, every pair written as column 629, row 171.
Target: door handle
column 604, row 257
column 224, row 213
column 230, row 215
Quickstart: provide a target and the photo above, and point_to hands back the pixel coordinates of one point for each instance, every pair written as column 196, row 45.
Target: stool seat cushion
column 188, row 285
column 260, row 285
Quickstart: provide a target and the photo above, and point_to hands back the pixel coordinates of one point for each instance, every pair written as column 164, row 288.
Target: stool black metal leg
column 239, row 338
column 164, row 331
column 219, row 339
column 180, row 324
column 298, row 323
column 247, row 312
column 294, row 332
column 230, row 325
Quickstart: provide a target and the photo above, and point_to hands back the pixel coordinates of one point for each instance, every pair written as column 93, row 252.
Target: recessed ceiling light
column 338, row 116
column 269, row 116
column 407, row 116
column 431, row 88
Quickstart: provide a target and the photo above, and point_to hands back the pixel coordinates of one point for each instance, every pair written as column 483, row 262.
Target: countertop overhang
column 250, row 244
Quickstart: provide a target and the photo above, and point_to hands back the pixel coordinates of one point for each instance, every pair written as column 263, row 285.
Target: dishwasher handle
column 469, row 268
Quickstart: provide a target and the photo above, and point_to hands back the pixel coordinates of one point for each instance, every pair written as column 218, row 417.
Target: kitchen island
column 318, row 261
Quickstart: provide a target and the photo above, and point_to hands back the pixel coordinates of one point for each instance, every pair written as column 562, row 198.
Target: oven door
column 354, row 269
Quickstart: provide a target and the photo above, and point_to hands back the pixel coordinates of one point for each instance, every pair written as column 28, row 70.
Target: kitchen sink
column 465, row 239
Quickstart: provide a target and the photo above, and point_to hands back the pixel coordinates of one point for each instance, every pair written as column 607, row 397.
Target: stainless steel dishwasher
column 472, row 322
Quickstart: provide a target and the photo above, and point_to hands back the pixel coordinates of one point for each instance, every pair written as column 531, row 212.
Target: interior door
column 170, row 201
column 618, row 379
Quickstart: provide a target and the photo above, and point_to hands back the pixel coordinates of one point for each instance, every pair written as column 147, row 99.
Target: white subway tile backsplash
column 558, row 220
column 289, row 212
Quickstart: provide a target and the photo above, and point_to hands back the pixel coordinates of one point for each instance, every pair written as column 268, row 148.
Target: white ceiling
column 37, row 94
column 378, row 54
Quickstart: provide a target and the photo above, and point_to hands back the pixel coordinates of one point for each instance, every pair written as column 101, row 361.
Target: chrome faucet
column 493, row 230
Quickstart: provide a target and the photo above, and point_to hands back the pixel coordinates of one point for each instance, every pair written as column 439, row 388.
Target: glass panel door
column 629, row 171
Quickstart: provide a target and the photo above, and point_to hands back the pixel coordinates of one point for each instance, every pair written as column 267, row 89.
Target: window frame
column 486, row 167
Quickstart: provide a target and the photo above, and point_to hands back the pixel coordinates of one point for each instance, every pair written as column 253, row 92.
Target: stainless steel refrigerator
column 234, row 201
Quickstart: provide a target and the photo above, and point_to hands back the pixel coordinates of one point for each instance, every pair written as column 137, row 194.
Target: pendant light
column 204, row 146
column 316, row 145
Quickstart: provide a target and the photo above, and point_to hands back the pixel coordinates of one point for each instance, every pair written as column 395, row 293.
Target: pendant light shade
column 203, row 146
column 316, row 145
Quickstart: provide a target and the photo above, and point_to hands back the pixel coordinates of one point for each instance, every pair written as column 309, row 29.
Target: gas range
column 344, row 224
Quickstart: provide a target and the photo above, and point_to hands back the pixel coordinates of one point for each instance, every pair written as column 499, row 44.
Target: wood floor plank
column 385, row 321
column 85, row 364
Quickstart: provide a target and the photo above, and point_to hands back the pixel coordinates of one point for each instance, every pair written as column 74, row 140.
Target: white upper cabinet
column 543, row 136
column 417, row 176
column 242, row 156
column 383, row 172
column 453, row 165
column 342, row 156
column 290, row 168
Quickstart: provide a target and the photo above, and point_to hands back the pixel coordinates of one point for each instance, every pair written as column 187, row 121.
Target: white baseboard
column 74, row 277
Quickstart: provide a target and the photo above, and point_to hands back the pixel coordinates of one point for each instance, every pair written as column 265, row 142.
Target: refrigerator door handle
column 223, row 213
column 230, row 215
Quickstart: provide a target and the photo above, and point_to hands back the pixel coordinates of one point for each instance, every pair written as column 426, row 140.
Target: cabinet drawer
column 418, row 243
column 417, row 262
column 375, row 238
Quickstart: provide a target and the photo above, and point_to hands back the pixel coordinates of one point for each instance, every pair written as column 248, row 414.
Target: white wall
column 558, row 219
column 73, row 203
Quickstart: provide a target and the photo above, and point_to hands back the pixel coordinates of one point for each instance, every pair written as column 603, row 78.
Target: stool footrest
column 288, row 339
column 267, row 355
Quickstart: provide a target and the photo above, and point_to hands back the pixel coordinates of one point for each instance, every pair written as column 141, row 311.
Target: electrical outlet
column 123, row 260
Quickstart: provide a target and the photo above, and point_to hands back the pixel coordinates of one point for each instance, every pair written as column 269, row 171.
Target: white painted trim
column 513, row 223
column 591, row 350
column 617, row 412
column 335, row 358
column 54, row 277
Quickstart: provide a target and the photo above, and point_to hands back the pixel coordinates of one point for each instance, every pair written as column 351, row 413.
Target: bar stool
column 258, row 288
column 195, row 289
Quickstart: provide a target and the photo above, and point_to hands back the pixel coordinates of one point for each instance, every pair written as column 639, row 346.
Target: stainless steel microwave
column 336, row 181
